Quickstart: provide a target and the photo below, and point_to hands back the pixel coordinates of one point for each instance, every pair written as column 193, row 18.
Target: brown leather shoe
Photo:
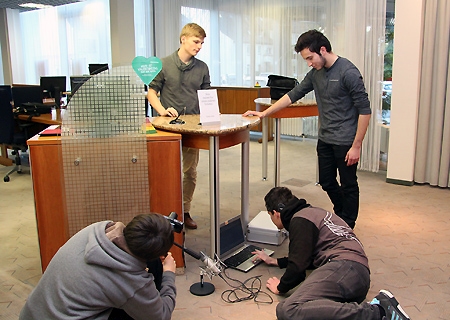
column 189, row 222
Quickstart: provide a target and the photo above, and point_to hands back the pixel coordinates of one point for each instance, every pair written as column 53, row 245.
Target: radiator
column 299, row 127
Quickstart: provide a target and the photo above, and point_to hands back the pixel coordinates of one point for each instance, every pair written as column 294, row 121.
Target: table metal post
column 214, row 194
column 265, row 141
column 245, row 181
column 277, row 151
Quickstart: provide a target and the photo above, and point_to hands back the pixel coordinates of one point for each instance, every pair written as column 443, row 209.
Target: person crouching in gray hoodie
column 103, row 267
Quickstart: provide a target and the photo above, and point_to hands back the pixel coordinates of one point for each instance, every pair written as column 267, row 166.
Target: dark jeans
column 335, row 291
column 345, row 197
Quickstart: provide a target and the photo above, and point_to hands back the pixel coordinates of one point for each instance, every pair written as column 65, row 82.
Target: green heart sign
column 146, row 68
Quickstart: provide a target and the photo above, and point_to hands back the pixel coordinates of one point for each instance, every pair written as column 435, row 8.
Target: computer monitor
column 95, row 68
column 6, row 89
column 53, row 86
column 24, row 94
column 76, row 82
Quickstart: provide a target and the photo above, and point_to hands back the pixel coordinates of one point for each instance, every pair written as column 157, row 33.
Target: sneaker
column 189, row 222
column 390, row 305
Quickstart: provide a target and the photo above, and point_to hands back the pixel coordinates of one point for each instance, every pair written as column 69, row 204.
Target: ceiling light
column 35, row 5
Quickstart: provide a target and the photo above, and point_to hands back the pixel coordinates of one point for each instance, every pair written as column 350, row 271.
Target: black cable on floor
column 244, row 291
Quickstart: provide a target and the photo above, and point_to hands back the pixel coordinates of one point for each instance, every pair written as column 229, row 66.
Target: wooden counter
column 49, row 195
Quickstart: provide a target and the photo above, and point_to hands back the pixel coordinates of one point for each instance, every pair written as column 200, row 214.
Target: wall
column 5, row 66
column 122, row 31
column 405, row 90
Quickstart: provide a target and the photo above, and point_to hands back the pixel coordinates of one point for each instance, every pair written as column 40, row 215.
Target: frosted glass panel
column 104, row 150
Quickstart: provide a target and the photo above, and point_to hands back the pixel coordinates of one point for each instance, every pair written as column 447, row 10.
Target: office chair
column 12, row 133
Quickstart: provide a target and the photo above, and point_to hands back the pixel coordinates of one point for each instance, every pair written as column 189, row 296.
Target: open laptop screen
column 231, row 235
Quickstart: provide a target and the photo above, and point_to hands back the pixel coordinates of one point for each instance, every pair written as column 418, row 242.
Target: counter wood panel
column 237, row 100
column 49, row 196
column 165, row 181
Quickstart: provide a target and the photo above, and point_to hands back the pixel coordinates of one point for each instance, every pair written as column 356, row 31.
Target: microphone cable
column 250, row 289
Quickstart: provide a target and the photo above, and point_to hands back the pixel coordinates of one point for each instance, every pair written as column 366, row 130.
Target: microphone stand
column 201, row 288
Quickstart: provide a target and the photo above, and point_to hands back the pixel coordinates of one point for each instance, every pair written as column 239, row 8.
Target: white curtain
column 143, row 26
column 246, row 41
column 60, row 40
column 433, row 131
column 249, row 39
column 364, row 40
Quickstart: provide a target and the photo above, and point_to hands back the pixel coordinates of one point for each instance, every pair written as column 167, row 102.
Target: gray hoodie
column 93, row 273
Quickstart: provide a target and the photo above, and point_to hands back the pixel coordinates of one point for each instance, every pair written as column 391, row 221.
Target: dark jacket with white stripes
column 316, row 237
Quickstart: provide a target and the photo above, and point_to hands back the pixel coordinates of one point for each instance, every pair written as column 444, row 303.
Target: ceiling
column 14, row 4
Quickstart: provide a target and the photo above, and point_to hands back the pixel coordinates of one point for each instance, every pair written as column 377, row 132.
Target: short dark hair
column 312, row 40
column 277, row 198
column 149, row 236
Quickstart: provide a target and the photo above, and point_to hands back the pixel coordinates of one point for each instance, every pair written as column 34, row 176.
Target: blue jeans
column 345, row 197
column 335, row 291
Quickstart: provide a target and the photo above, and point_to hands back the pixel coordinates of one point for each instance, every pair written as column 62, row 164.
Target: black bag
column 280, row 85
column 33, row 109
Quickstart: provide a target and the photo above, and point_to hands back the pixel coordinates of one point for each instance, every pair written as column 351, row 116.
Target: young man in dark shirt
column 344, row 115
column 322, row 241
column 181, row 76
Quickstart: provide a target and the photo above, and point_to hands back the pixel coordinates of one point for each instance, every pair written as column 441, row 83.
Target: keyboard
column 241, row 256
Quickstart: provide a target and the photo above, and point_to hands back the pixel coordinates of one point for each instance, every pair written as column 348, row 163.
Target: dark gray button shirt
column 178, row 83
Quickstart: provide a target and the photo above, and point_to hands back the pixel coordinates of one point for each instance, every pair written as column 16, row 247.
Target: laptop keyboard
column 241, row 256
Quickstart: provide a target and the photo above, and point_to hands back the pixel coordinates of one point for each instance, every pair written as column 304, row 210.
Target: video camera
column 177, row 225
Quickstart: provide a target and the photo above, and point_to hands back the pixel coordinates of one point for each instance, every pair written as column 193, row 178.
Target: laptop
column 234, row 251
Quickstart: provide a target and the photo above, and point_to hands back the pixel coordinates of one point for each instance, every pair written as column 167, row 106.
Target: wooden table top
column 229, row 123
column 49, row 118
column 300, row 108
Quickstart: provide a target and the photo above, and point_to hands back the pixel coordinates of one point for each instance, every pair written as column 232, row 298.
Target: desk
column 49, row 118
column 49, row 194
column 4, row 160
column 298, row 109
column 44, row 119
column 232, row 130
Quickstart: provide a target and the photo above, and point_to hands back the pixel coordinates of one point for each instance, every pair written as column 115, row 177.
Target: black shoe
column 189, row 222
column 390, row 305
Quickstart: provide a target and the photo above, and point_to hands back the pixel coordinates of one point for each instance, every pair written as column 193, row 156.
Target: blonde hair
column 192, row 30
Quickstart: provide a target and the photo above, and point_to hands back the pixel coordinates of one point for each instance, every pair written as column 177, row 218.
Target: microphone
column 212, row 267
column 178, row 121
column 189, row 251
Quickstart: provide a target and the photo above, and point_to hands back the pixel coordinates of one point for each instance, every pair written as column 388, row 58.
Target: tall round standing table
column 231, row 130
column 298, row 109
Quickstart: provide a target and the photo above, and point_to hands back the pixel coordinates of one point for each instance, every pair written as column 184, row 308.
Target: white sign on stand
column 209, row 106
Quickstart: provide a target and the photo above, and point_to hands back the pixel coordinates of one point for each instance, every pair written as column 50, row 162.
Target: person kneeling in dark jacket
column 338, row 286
